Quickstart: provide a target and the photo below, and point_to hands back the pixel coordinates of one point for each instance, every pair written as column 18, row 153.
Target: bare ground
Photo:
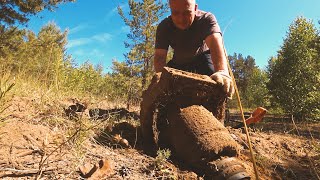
column 38, row 141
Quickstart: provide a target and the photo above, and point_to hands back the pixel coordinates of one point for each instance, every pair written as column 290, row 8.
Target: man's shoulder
column 166, row 21
column 203, row 15
column 166, row 25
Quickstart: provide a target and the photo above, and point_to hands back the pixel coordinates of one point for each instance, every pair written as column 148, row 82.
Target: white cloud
column 111, row 13
column 79, row 52
column 78, row 42
column 102, row 38
column 77, row 28
column 125, row 29
column 84, row 52
column 98, row 53
column 83, row 55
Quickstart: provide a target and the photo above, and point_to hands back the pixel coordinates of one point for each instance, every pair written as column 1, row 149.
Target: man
column 196, row 39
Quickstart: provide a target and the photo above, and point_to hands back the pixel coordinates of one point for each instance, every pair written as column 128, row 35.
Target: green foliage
column 42, row 57
column 242, row 69
column 294, row 74
column 86, row 78
column 18, row 11
column 162, row 157
column 136, row 72
column 251, row 81
column 10, row 40
column 143, row 20
column 126, row 82
column 256, row 91
column 38, row 56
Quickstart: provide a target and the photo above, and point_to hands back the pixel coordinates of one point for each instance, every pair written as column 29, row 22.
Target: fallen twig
column 29, row 152
column 11, row 172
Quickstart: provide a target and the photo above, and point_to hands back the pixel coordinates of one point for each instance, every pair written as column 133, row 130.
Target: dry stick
column 242, row 115
column 305, row 151
column 29, row 152
column 27, row 172
column 40, row 170
column 294, row 124
column 20, row 172
column 135, row 142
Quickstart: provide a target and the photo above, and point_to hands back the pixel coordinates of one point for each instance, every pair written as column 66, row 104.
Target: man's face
column 183, row 12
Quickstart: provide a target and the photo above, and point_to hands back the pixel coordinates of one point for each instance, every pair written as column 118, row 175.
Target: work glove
column 223, row 78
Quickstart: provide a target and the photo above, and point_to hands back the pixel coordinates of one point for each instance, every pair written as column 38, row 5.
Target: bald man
column 196, row 39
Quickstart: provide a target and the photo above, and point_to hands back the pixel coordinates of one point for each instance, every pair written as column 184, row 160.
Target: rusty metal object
column 173, row 87
column 195, row 134
column 184, row 112
column 228, row 168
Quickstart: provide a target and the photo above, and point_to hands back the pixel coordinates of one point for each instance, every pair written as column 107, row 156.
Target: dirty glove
column 222, row 77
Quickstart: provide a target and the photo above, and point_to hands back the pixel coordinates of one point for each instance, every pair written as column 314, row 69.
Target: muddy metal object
column 196, row 134
column 72, row 110
column 229, row 168
column 176, row 89
column 117, row 113
column 184, row 112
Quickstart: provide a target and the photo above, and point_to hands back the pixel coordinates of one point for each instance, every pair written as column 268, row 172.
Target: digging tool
column 256, row 116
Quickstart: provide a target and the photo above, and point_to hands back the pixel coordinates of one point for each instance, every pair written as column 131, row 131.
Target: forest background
column 289, row 85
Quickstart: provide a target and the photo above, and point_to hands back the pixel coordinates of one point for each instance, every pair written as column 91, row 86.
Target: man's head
column 183, row 12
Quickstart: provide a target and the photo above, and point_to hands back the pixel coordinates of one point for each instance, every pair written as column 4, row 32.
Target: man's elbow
column 159, row 64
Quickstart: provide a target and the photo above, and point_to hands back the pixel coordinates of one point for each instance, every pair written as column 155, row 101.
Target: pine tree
column 143, row 19
column 19, row 11
column 251, row 81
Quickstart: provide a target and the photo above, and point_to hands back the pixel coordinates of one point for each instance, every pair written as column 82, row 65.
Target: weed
column 83, row 128
column 5, row 87
column 162, row 170
column 262, row 161
column 162, row 157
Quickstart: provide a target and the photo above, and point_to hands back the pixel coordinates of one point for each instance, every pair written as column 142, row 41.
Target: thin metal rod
column 242, row 115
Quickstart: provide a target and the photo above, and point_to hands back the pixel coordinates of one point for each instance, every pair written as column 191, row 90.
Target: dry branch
column 11, row 172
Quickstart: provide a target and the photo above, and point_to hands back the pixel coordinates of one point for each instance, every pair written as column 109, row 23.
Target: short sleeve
column 211, row 25
column 162, row 36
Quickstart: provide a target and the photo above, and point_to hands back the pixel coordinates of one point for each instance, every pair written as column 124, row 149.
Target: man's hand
column 223, row 78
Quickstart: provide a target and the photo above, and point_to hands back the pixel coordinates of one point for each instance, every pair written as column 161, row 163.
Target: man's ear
column 195, row 7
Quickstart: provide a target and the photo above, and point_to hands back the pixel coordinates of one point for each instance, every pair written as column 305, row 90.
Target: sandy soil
column 38, row 142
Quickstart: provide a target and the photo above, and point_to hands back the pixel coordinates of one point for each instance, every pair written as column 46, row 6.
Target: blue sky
column 251, row 27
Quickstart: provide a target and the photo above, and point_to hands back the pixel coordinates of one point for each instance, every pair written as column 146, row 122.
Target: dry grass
column 6, row 84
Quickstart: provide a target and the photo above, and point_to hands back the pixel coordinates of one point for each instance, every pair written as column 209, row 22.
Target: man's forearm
column 218, row 55
column 159, row 61
column 219, row 60
column 159, row 64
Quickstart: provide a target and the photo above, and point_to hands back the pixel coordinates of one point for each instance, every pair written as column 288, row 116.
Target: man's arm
column 159, row 61
column 218, row 57
column 219, row 61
